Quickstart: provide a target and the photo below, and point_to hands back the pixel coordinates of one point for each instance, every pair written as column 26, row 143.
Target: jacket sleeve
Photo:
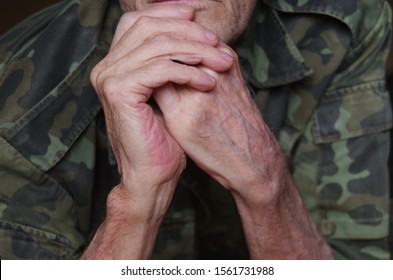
column 340, row 165
column 47, row 135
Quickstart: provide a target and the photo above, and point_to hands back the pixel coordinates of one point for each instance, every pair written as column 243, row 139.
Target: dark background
column 13, row 12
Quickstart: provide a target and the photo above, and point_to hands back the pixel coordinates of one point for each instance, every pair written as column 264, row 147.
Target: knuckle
column 109, row 85
column 124, row 20
column 131, row 24
column 93, row 77
column 143, row 23
column 162, row 65
column 96, row 74
column 199, row 121
column 127, row 19
column 109, row 89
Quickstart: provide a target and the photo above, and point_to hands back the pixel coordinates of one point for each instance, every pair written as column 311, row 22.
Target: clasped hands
column 204, row 106
column 170, row 88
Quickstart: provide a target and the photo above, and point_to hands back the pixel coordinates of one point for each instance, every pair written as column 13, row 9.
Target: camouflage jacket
column 316, row 69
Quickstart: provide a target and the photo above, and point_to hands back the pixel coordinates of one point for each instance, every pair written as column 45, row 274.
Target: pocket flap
column 352, row 112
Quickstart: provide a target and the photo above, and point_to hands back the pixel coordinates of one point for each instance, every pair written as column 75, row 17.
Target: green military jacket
column 316, row 69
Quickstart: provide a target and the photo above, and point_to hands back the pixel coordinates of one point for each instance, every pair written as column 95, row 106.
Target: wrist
column 280, row 227
column 264, row 183
column 127, row 231
column 134, row 207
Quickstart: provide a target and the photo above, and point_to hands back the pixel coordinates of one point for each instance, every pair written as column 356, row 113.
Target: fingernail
column 226, row 56
column 212, row 79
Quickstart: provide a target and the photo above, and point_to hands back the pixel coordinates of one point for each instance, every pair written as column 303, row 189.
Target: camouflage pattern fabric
column 317, row 71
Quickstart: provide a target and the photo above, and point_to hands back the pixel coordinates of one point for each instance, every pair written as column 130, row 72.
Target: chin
column 225, row 29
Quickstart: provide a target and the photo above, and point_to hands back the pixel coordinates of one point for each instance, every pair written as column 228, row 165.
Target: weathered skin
column 317, row 71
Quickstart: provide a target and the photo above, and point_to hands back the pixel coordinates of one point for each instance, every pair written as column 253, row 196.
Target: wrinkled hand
column 222, row 130
column 152, row 48
column 208, row 113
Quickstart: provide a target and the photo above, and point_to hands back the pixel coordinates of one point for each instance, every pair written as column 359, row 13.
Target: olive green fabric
column 316, row 69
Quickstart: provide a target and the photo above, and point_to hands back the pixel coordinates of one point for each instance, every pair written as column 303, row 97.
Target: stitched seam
column 49, row 99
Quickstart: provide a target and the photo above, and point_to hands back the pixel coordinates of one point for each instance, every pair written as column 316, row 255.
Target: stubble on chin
column 224, row 25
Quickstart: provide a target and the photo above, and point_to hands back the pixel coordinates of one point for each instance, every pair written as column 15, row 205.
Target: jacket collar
column 268, row 55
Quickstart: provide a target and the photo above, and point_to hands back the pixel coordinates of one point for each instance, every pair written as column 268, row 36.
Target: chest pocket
column 353, row 112
column 351, row 133
column 46, row 131
column 44, row 201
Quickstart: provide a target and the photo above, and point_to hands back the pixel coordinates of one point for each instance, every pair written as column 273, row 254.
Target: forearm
column 280, row 227
column 120, row 240
column 129, row 230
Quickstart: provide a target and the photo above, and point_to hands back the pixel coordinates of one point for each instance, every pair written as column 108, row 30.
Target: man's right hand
column 151, row 48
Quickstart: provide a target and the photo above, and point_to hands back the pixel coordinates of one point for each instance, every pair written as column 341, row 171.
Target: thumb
column 168, row 99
